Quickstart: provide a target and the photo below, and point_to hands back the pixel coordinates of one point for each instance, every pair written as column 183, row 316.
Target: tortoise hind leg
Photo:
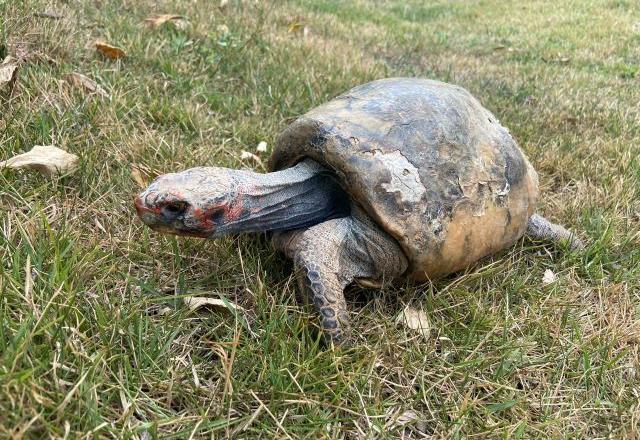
column 539, row 228
column 331, row 255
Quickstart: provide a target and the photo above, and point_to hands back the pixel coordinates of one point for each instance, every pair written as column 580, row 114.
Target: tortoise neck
column 294, row 198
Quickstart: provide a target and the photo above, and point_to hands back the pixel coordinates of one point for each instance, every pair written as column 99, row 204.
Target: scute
column 427, row 162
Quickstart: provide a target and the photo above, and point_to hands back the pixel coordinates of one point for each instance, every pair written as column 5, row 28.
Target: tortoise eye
column 174, row 209
column 217, row 216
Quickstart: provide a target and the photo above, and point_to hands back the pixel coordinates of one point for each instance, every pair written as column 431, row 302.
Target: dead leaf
column 49, row 14
column 47, row 159
column 158, row 20
column 301, row 28
column 158, row 310
column 548, row 277
column 79, row 80
column 8, row 73
column 223, row 3
column 196, row 302
column 408, row 417
column 262, row 147
column 109, row 51
column 296, row 27
column 137, row 177
column 245, row 155
column 415, row 320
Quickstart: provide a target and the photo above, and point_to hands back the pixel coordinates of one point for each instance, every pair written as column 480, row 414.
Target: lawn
column 95, row 338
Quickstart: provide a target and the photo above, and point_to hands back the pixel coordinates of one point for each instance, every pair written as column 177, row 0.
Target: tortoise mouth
column 181, row 230
column 153, row 218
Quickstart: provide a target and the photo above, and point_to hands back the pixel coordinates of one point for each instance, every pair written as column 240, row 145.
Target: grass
column 95, row 340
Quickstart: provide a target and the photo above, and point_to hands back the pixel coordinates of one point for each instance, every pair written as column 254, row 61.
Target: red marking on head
column 234, row 212
column 141, row 207
column 203, row 217
column 138, row 204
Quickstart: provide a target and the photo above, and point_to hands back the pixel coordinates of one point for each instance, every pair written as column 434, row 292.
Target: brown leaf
column 245, row 155
column 109, row 51
column 158, row 310
column 49, row 14
column 405, row 418
column 300, row 28
column 296, row 27
column 8, row 73
column 415, row 320
column 137, row 177
column 160, row 19
column 85, row 83
column 196, row 302
column 47, row 159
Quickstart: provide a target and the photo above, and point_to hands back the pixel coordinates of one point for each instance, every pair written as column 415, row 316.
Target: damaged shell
column 428, row 163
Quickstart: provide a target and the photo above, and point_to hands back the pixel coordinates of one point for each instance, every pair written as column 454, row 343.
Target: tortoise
column 397, row 178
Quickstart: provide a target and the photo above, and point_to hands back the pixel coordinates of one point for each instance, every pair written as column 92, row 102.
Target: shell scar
column 405, row 181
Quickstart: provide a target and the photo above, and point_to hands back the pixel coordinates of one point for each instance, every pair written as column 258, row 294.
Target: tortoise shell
column 427, row 162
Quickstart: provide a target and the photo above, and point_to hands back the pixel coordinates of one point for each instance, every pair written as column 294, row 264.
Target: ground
column 95, row 338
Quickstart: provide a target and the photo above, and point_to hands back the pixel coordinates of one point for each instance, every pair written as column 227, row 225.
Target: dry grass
column 94, row 338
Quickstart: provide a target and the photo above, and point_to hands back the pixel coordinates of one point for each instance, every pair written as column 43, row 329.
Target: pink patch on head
column 234, row 212
column 203, row 217
column 139, row 204
column 143, row 208
column 209, row 217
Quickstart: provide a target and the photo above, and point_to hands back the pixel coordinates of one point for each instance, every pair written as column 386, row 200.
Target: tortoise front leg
column 323, row 289
column 331, row 255
column 321, row 273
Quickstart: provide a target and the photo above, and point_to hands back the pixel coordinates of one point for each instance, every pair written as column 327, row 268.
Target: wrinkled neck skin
column 294, row 198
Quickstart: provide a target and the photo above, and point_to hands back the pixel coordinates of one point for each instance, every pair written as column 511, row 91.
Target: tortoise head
column 212, row 202
column 198, row 202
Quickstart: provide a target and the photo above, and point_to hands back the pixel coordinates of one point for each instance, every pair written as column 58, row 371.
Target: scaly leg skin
column 331, row 255
column 539, row 228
